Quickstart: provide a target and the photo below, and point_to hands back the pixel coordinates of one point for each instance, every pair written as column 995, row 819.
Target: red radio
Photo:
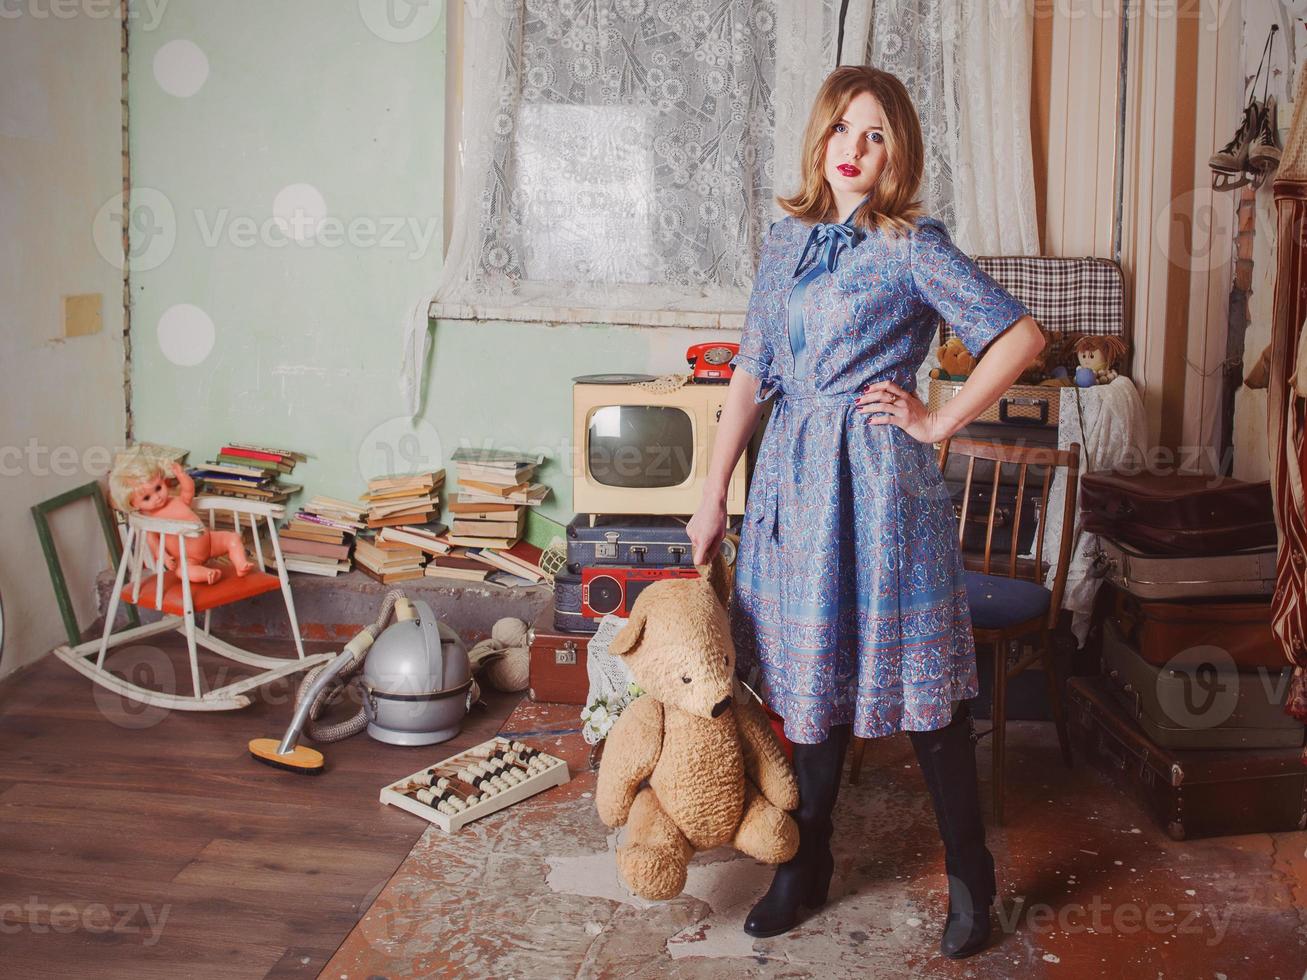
column 613, row 589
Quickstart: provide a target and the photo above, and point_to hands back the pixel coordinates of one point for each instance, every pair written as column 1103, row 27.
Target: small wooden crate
column 555, row 774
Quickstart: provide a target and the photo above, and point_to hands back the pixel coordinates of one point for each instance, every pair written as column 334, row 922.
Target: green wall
column 306, row 338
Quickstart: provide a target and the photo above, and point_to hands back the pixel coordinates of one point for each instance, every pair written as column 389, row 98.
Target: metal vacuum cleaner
column 413, row 679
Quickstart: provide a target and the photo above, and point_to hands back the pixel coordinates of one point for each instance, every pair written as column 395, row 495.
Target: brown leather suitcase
column 557, row 671
column 1178, row 514
column 1189, row 793
column 1163, row 631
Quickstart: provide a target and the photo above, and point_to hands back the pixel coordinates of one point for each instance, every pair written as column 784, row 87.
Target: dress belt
column 767, row 515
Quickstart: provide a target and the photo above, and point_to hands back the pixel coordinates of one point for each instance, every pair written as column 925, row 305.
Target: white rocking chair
column 178, row 600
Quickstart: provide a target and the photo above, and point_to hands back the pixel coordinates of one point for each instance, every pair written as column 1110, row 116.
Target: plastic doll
column 139, row 485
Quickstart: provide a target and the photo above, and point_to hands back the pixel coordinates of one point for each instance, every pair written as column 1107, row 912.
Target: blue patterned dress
column 850, row 603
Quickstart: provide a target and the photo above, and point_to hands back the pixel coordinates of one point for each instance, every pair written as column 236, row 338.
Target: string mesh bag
column 666, row 384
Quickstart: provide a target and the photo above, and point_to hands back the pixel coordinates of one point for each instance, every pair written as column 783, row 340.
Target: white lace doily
column 608, row 673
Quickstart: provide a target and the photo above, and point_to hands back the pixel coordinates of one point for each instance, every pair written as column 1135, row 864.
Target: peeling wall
column 306, row 212
column 61, row 404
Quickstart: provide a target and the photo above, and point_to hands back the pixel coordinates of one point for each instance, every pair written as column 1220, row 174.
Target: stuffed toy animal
column 955, row 362
column 715, row 769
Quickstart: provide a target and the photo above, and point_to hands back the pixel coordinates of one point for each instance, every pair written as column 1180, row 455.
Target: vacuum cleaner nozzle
column 300, row 759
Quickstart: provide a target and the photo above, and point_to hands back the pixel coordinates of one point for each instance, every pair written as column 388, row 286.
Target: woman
column 850, row 603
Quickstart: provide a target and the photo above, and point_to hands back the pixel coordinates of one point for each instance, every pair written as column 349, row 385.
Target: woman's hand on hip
column 706, row 529
column 902, row 409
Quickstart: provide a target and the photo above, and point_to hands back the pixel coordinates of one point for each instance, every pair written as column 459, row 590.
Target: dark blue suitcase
column 626, row 540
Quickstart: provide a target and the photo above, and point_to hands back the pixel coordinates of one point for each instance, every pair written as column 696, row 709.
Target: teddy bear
column 693, row 763
column 955, row 362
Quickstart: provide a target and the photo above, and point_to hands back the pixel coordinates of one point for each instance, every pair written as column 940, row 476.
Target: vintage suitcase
column 1162, row 632
column 1190, row 793
column 567, row 614
column 626, row 540
column 1005, row 512
column 1177, row 514
column 1203, row 703
column 1020, row 405
column 1148, row 576
column 1068, row 297
column 557, row 672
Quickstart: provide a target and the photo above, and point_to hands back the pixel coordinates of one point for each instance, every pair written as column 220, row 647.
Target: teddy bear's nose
column 721, row 706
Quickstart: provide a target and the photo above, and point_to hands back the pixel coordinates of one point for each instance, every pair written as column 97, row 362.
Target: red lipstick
column 848, row 170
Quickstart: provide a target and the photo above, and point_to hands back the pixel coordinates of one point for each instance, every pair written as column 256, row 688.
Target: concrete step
column 336, row 609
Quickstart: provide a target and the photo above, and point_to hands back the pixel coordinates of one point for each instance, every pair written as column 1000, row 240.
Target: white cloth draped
column 1108, row 422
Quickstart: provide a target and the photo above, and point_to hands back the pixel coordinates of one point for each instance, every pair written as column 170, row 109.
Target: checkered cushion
column 1065, row 295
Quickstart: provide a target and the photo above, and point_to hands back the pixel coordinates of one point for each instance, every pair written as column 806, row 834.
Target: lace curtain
column 967, row 66
column 620, row 157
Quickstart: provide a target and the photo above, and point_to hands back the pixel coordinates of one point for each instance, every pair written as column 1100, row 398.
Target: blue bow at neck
column 829, row 239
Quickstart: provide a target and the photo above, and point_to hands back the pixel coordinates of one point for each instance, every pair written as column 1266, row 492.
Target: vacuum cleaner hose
column 336, row 676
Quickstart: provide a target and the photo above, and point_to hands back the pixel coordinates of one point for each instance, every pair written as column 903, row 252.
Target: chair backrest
column 146, row 558
column 1041, row 462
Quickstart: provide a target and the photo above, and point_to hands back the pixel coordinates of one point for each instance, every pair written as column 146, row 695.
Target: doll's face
column 1093, row 359
column 150, row 495
column 855, row 149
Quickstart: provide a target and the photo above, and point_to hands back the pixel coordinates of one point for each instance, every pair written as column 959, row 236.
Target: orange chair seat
column 230, row 588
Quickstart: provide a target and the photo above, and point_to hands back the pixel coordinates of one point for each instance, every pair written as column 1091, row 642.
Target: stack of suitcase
column 624, row 554
column 1069, row 297
column 1188, row 713
column 610, row 560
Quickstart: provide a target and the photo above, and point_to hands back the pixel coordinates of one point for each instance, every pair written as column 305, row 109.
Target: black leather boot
column 805, row 878
column 947, row 758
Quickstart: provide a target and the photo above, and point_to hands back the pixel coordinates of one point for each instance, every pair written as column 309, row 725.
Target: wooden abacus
column 476, row 782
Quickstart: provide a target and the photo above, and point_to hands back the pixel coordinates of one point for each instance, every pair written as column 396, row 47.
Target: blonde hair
column 892, row 203
column 136, row 467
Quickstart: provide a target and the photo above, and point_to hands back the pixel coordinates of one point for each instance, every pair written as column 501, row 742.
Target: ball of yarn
column 510, row 632
column 504, row 660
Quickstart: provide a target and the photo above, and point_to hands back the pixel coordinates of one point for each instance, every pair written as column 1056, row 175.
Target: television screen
column 640, row 447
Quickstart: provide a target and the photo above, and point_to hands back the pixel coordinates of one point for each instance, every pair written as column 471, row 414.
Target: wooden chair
column 178, row 600
column 1011, row 604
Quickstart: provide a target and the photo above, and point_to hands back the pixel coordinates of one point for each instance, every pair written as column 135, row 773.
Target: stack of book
column 388, row 561
column 319, row 538
column 518, row 566
column 248, row 471
column 494, row 492
column 393, row 501
column 444, row 560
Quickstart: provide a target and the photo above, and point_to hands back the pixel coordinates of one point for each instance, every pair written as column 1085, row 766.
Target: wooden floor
column 141, row 843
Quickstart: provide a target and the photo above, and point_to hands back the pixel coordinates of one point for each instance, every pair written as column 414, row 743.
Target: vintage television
column 643, row 451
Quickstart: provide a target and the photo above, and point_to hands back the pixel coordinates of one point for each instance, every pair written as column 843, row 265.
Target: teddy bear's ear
column 628, row 637
column 716, row 575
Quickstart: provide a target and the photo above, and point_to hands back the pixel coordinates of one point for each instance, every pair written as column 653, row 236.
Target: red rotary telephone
column 711, row 362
